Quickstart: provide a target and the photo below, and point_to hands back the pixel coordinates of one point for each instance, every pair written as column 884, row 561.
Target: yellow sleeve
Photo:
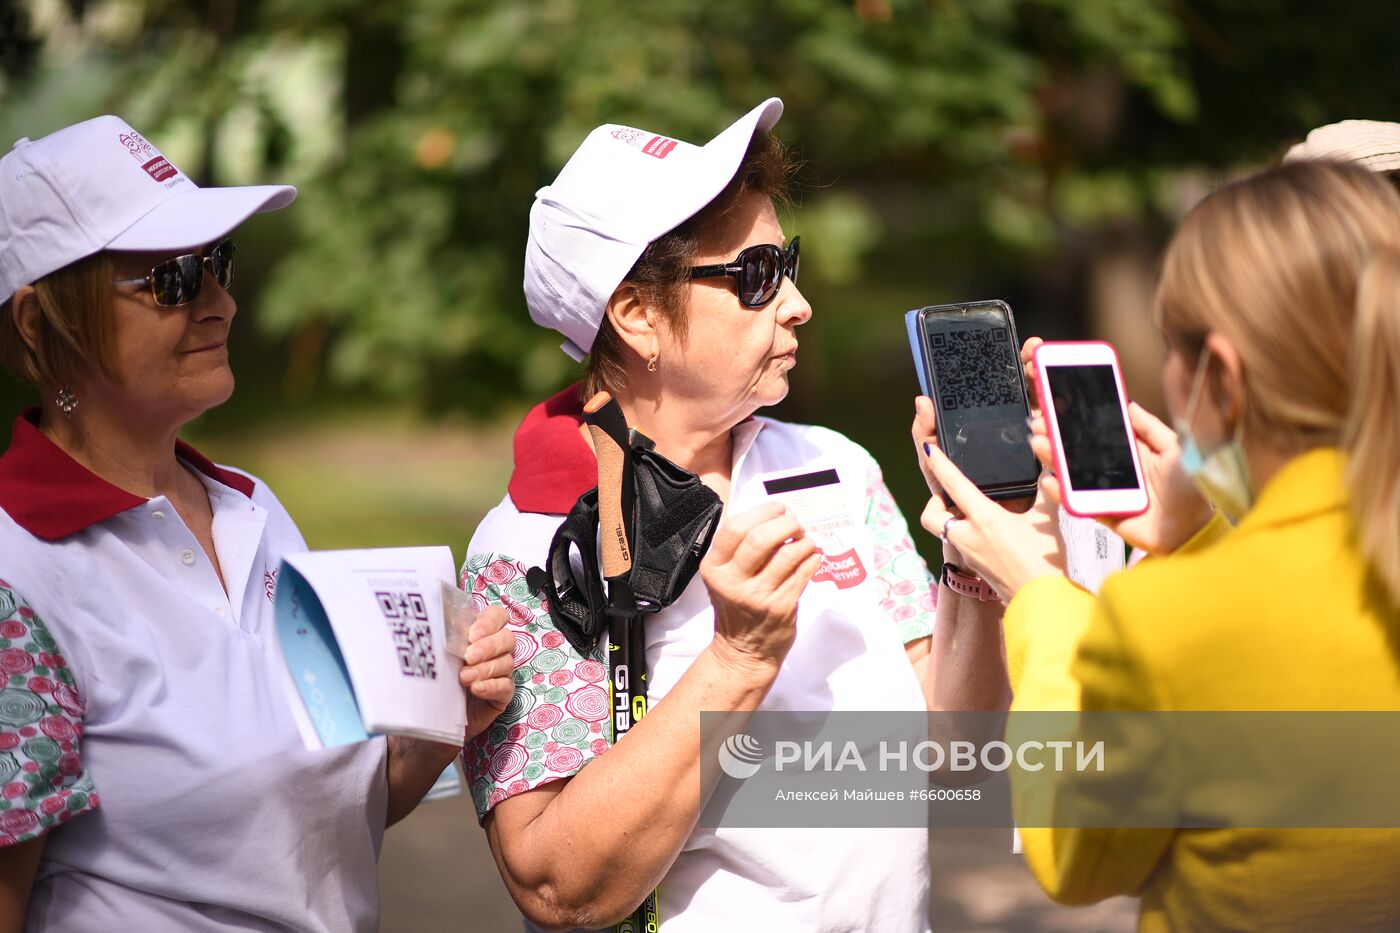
column 1215, row 529
column 1066, row 652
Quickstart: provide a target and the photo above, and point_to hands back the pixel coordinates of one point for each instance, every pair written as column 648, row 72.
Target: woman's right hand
column 758, row 565
column 1176, row 510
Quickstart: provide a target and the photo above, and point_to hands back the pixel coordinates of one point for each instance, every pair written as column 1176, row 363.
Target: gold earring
column 651, row 364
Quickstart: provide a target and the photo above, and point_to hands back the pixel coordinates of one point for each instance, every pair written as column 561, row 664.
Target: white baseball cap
column 622, row 189
column 1372, row 144
column 100, row 185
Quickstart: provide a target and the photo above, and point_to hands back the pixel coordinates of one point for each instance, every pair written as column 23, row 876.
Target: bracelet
column 965, row 584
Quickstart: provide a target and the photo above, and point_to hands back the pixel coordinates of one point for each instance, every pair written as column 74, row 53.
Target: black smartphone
column 969, row 363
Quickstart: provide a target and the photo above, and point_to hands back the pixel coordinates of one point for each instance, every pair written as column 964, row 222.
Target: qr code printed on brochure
column 964, row 378
column 407, row 615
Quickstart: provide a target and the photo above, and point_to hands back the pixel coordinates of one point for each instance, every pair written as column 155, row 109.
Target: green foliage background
column 955, row 150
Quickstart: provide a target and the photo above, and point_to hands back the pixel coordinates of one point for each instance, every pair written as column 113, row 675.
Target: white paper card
column 823, row 507
column 1092, row 552
column 364, row 634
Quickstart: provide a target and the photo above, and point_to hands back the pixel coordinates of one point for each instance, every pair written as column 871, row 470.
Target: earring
column 67, row 401
column 651, row 364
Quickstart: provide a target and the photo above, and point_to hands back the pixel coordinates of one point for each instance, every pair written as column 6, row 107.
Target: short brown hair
column 75, row 325
column 662, row 274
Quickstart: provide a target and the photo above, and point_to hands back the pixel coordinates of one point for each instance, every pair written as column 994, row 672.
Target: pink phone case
column 1042, row 388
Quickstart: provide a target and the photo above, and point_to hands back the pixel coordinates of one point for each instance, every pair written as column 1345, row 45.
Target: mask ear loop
column 1197, row 381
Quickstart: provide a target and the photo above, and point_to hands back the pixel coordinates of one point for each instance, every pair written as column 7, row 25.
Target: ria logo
column 741, row 756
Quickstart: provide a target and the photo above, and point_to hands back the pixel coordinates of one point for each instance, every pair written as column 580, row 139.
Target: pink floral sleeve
column 907, row 591
column 42, row 779
column 555, row 722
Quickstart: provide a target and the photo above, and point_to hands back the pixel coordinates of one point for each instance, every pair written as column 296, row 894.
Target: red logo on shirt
column 844, row 569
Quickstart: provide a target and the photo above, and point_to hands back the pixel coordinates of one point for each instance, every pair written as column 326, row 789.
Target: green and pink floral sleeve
column 42, row 779
column 905, row 588
column 557, row 720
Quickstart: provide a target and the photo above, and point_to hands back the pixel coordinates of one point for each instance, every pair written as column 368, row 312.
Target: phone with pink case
column 1086, row 413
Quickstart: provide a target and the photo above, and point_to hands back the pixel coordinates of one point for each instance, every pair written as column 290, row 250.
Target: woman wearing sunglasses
column 151, row 773
column 665, row 263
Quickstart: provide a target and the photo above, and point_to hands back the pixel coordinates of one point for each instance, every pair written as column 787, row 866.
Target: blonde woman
column 1280, row 304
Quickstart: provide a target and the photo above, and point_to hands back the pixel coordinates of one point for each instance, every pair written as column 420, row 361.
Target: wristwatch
column 965, row 584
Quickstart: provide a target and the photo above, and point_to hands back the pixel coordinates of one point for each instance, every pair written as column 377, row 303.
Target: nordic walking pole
column 626, row 649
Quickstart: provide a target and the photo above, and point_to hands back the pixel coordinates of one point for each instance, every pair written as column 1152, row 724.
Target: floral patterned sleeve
column 555, row 722
column 42, row 779
column 907, row 591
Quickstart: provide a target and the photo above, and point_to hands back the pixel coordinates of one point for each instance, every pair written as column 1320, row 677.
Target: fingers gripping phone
column 1086, row 412
column 969, row 364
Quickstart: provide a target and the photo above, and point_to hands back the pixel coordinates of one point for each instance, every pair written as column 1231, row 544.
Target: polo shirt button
column 187, row 557
column 158, row 514
column 219, row 611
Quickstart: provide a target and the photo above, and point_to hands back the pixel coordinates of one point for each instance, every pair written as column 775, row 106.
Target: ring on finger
column 946, row 525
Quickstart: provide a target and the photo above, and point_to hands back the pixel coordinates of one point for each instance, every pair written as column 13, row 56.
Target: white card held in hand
column 1092, row 552
column 827, row 511
column 365, row 635
column 457, row 611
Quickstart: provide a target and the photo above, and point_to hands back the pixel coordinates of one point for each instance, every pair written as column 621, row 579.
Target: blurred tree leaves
column 419, row 132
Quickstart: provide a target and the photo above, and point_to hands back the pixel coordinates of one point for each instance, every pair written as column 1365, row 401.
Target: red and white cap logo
column 155, row 164
column 650, row 143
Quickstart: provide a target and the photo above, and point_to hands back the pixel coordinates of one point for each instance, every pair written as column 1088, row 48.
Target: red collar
column 553, row 463
column 51, row 495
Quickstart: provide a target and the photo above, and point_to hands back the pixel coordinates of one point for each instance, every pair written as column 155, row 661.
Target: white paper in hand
column 1092, row 552
column 364, row 634
column 826, row 509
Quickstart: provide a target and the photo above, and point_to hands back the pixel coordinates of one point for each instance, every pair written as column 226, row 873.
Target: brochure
column 365, row 637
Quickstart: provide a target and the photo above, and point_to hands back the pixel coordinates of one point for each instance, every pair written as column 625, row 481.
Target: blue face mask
column 1222, row 475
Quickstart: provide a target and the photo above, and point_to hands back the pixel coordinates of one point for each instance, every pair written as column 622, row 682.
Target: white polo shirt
column 144, row 731
column 849, row 654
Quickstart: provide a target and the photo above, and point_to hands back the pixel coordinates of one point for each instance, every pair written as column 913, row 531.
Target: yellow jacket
column 1275, row 614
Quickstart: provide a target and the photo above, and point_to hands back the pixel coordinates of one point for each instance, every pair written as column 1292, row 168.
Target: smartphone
column 1086, row 412
column 969, row 363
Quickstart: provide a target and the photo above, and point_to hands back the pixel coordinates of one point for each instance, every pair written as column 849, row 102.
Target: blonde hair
column 74, row 328
column 1299, row 268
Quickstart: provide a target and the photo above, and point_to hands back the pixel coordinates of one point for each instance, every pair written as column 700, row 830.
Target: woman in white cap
column 1372, row 144
column 666, row 264
column 151, row 774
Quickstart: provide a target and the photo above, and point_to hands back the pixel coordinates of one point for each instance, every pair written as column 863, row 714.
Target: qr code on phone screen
column 965, row 380
column 407, row 615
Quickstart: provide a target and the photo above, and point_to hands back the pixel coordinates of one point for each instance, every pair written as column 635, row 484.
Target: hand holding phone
column 1093, row 446
column 1176, row 510
column 967, row 362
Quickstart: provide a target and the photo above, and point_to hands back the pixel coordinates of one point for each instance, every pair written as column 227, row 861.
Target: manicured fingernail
column 928, row 451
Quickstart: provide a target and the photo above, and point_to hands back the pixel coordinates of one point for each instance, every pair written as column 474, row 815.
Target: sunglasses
column 758, row 272
column 178, row 281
